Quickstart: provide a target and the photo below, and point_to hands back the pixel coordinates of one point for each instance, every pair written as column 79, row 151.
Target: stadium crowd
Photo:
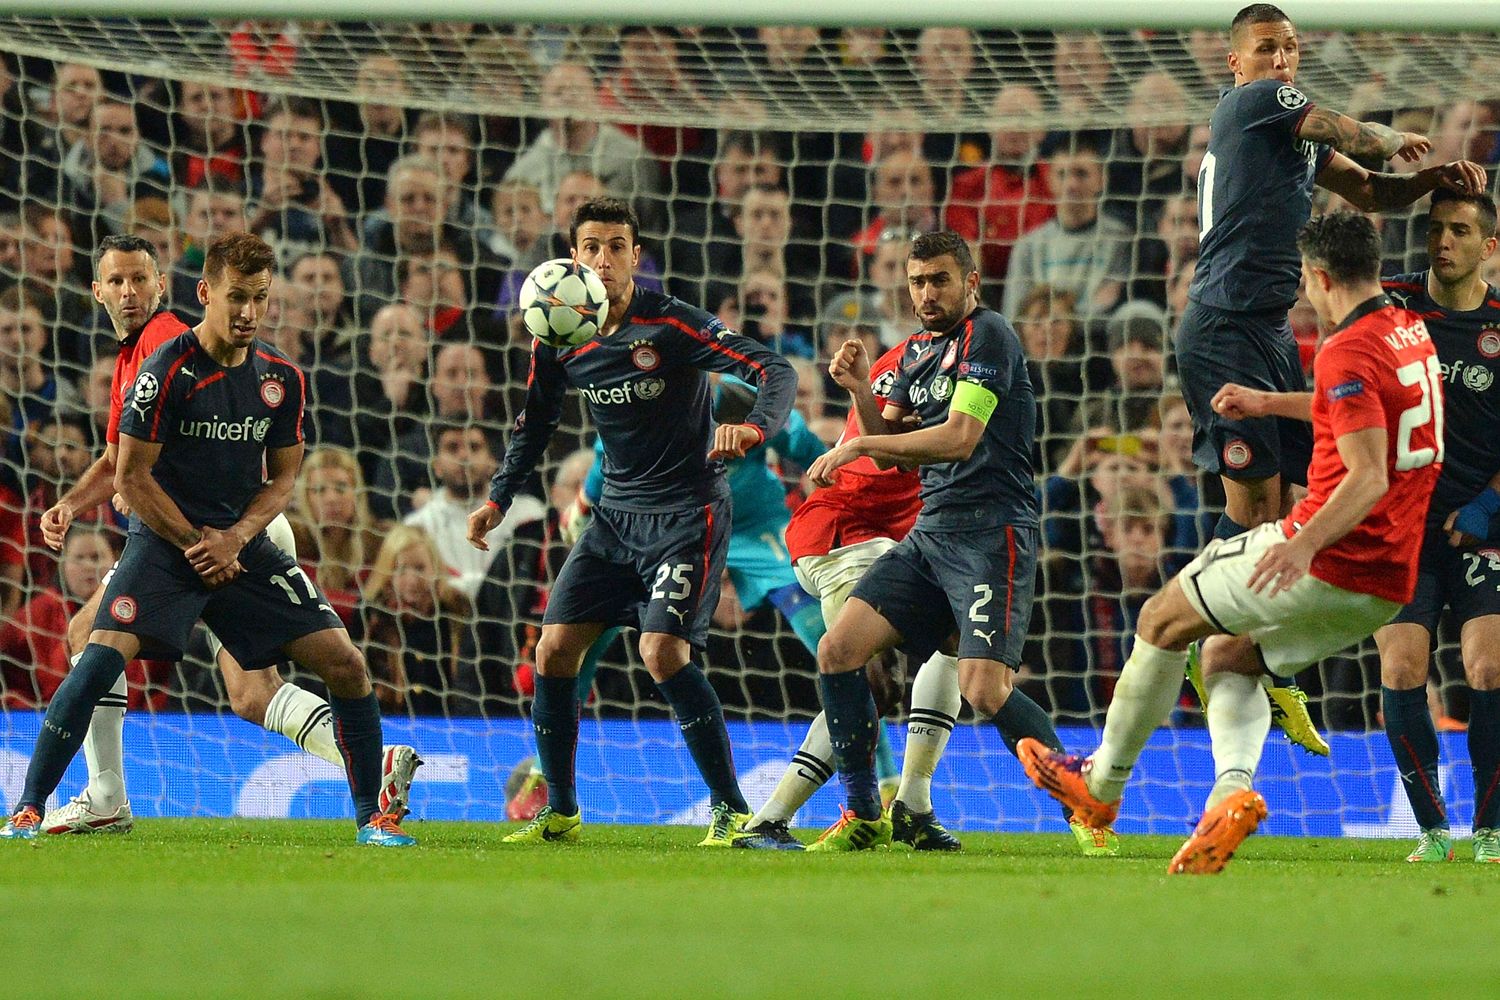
column 404, row 237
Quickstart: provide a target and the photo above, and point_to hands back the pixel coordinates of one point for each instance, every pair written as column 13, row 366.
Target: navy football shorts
column 1464, row 580
column 154, row 594
column 656, row 572
column 1257, row 350
column 979, row 584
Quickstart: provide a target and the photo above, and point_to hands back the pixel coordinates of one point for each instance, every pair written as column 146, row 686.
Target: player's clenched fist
column 481, row 523
column 1238, row 402
column 850, row 366
column 55, row 525
column 733, row 440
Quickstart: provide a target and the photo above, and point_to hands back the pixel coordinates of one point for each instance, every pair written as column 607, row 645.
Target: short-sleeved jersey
column 1468, row 348
column 997, row 478
column 1254, row 194
column 650, row 400
column 134, row 349
column 864, row 502
column 214, row 424
column 1378, row 369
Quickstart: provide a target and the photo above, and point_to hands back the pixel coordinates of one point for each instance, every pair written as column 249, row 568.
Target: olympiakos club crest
column 1489, row 342
column 1237, row 454
column 645, row 357
column 951, row 356
column 272, row 392
column 123, row 609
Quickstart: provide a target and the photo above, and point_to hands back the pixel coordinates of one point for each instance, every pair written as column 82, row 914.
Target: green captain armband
column 975, row 400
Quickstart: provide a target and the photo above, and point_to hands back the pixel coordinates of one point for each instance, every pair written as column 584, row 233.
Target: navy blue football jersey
column 1468, row 349
column 997, row 478
column 1254, row 194
column 214, row 424
column 649, row 399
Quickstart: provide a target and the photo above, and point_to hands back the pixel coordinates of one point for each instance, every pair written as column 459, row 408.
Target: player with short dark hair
column 1338, row 567
column 654, row 553
column 1460, row 571
column 1268, row 146
column 210, row 438
column 968, row 565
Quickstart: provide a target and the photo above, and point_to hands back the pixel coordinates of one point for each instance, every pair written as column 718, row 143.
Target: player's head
column 1460, row 235
column 1263, row 45
column 605, row 235
column 128, row 282
column 942, row 279
column 236, row 286
column 1340, row 255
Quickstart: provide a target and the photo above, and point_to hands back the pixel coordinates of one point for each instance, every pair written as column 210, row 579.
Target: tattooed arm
column 1361, row 140
column 1372, row 192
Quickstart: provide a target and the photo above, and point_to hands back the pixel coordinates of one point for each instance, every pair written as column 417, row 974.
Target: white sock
column 1148, row 688
column 104, row 749
column 305, row 719
column 809, row 771
column 935, row 704
column 1239, row 717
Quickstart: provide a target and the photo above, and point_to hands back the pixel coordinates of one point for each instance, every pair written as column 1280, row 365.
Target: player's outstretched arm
column 953, row 440
column 1364, row 455
column 147, row 499
column 95, row 486
column 1238, row 402
column 1368, row 141
column 1376, row 192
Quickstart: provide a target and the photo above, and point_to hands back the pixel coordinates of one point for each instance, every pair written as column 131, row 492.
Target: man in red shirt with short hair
column 1336, row 568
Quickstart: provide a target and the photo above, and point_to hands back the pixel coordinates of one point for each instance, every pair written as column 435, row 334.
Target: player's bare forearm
column 1357, row 139
column 156, row 510
column 95, row 486
column 867, row 412
column 281, row 467
column 1357, row 493
column 1291, row 405
column 951, row 441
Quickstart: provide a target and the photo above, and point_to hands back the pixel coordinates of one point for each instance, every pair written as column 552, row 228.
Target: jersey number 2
column 1429, row 377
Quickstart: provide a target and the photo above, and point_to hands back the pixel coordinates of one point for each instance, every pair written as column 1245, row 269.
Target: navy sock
column 1484, row 751
column 1021, row 717
column 67, row 721
column 701, row 719
column 1414, row 743
column 554, row 716
column 849, row 706
column 356, row 732
column 1228, row 527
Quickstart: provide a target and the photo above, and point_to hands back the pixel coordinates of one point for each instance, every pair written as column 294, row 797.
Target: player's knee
column 837, row 655
column 1402, row 671
column 557, row 656
column 346, row 669
column 986, row 689
column 1483, row 671
column 663, row 654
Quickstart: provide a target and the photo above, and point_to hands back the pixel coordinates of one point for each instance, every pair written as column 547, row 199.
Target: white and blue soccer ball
column 563, row 303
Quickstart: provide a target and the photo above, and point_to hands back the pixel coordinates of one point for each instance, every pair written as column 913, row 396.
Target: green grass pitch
column 211, row 908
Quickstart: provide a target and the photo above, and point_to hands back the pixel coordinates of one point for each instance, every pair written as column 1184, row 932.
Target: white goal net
column 410, row 174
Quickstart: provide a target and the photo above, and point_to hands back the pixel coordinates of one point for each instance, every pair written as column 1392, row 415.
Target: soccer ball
column 563, row 303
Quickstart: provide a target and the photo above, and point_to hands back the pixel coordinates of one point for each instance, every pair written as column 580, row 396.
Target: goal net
column 410, row 174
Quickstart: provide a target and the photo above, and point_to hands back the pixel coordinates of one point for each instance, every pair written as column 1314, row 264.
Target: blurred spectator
column 1192, row 525
column 48, row 263
column 30, row 389
column 518, row 221
column 1080, row 250
column 1209, row 51
column 572, row 142
column 211, row 212
column 93, row 399
column 208, row 140
column 1467, row 130
column 295, row 209
column 448, row 141
column 463, row 461
column 1082, row 76
column 1179, row 283
column 759, row 310
column 61, row 121
column 903, row 196
column 150, row 218
column 105, row 173
column 1098, row 465
column 745, row 160
column 1161, row 254
column 319, row 278
column 57, row 453
column 33, row 642
column 1098, row 616
column 887, row 277
column 1145, row 162
column 1128, row 405
column 649, row 79
column 363, row 152
column 288, row 320
column 1192, row 159
column 389, row 393
column 850, row 316
column 995, row 205
column 764, row 225
column 264, row 48
column 947, row 72
column 1053, row 341
column 336, row 535
column 412, row 627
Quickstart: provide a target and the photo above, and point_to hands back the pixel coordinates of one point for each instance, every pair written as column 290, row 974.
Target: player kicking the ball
column 1268, row 146
column 962, row 578
column 210, row 417
column 1459, row 569
column 1338, row 567
column 654, row 553
column 129, row 285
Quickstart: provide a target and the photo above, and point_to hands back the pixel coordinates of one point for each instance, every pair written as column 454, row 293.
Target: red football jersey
column 864, row 502
column 1379, row 371
column 158, row 330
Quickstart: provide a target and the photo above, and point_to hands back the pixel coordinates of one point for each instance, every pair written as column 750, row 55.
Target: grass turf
column 210, row 908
